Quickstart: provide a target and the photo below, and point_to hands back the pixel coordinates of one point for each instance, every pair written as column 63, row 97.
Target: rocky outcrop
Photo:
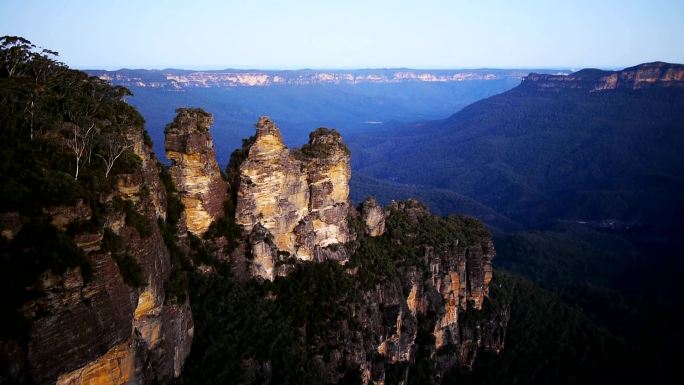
column 419, row 283
column 373, row 217
column 194, row 169
column 100, row 328
column 300, row 197
column 273, row 189
column 116, row 367
column 263, row 253
column 433, row 302
column 326, row 163
column 647, row 75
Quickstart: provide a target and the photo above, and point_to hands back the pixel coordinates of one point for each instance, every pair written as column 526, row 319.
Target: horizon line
column 360, row 68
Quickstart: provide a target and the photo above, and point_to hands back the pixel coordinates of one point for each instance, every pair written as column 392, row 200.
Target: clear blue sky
column 351, row 34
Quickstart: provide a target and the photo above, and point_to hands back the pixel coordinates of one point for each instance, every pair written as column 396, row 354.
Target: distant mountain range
column 301, row 100
column 592, row 145
column 581, row 180
column 656, row 74
column 181, row 79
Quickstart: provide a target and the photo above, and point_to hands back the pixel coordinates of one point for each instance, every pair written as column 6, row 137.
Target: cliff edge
column 647, row 75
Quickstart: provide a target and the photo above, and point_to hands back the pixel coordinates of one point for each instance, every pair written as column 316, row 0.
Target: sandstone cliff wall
column 96, row 328
column 657, row 74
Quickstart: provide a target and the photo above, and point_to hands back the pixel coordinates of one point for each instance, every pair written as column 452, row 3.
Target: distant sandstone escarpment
column 647, row 75
column 182, row 79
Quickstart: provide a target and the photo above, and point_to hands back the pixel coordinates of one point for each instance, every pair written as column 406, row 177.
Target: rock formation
column 326, row 163
column 292, row 205
column 656, row 74
column 273, row 189
column 262, row 251
column 102, row 297
column 300, row 197
column 194, row 170
column 373, row 216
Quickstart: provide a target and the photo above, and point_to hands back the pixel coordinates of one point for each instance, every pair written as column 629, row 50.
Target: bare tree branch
column 79, row 142
column 112, row 147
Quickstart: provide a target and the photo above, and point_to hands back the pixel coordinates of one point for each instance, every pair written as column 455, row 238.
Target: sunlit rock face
column 462, row 277
column 273, row 189
column 116, row 367
column 300, row 197
column 326, row 162
column 194, row 170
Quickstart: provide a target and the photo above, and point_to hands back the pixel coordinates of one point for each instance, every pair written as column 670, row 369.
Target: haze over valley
column 352, row 101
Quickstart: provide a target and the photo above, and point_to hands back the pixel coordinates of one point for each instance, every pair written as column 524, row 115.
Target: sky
column 270, row 34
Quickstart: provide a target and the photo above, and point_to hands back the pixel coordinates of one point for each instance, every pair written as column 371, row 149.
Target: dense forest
column 285, row 325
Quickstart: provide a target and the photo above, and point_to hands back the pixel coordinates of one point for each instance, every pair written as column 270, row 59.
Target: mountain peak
column 268, row 138
column 265, row 126
column 190, row 120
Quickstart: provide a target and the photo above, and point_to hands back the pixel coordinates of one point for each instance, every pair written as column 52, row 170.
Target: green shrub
column 199, row 251
column 319, row 149
column 112, row 242
column 174, row 206
column 177, row 286
column 130, row 269
column 147, row 139
column 225, row 226
column 235, row 324
column 128, row 163
column 55, row 251
column 136, row 220
column 233, row 169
